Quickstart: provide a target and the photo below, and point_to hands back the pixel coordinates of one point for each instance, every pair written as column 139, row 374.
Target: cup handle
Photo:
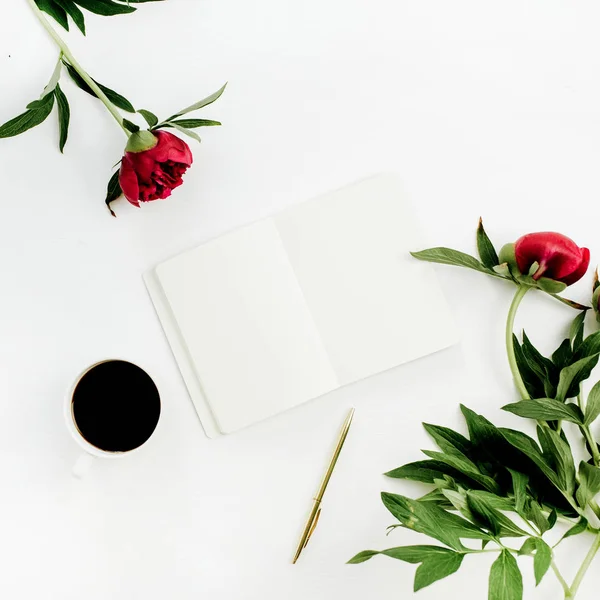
column 83, row 465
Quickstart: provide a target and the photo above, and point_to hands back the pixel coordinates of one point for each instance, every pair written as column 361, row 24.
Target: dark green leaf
column 105, row 7
column 29, row 119
column 130, row 126
column 55, row 11
column 64, row 116
column 425, row 471
column 198, row 105
column 447, row 256
column 193, row 123
column 543, row 366
column 491, row 519
column 448, row 440
column 427, row 518
column 150, row 117
column 576, row 331
column 74, row 12
column 486, row 249
column 592, row 409
column 533, row 512
column 498, row 502
column 116, row 99
column 437, row 567
column 506, row 581
column 558, row 452
column 563, row 355
column 466, row 467
column 546, row 409
column 589, row 483
column 113, row 191
column 541, row 560
column 533, row 383
column 572, row 376
column 589, row 346
column 529, row 447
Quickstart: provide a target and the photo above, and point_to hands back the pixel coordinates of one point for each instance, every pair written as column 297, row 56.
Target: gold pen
column 315, row 511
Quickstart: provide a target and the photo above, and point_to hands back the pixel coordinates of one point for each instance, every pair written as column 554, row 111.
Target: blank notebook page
column 374, row 305
column 246, row 326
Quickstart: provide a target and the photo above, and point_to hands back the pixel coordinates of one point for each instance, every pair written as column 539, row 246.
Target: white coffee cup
column 89, row 451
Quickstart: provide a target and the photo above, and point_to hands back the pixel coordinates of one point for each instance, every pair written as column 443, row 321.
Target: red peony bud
column 154, row 172
column 559, row 258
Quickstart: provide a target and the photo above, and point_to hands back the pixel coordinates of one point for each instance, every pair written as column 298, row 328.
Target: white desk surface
column 483, row 108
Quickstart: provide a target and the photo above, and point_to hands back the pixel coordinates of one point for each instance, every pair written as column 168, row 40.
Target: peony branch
column 75, row 64
column 510, row 346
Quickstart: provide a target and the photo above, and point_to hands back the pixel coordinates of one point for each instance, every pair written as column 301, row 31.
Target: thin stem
column 561, row 579
column 580, row 401
column 585, row 565
column 75, row 64
column 510, row 347
column 591, row 443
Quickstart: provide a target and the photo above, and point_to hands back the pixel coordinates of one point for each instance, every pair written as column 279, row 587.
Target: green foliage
column 60, row 10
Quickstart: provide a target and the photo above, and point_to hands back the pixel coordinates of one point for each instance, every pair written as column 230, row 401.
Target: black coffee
column 116, row 406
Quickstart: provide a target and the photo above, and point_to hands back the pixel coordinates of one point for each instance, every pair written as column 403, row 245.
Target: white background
column 483, row 108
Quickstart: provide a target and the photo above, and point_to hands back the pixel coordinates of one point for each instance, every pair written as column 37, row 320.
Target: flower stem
column 510, row 347
column 561, row 580
column 585, row 565
column 592, row 444
column 75, row 64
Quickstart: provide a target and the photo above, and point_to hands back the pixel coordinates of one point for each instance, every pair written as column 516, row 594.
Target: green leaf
column 546, row 409
column 519, row 489
column 550, row 286
column 437, row 567
column 506, row 581
column 532, row 512
column 426, row 471
column 150, row 117
column 74, row 12
column 447, row 256
column 427, row 518
column 570, row 303
column 572, row 376
column 30, row 119
column 116, row 99
column 55, row 11
column 448, row 440
column 130, row 126
column 541, row 560
column 589, row 483
column 105, row 7
column 183, row 130
column 113, row 191
column 466, row 467
column 528, row 548
column 533, row 383
column 578, row 528
column 589, row 346
column 193, row 123
column 592, row 409
column 491, row 519
column 576, row 331
column 558, row 452
column 486, row 249
column 64, row 116
column 543, row 366
column 528, row 446
column 409, row 554
column 198, row 105
column 563, row 355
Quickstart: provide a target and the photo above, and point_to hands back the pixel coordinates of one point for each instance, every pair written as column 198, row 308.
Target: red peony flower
column 558, row 256
column 155, row 170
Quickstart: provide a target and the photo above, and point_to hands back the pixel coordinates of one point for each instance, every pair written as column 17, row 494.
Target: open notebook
column 297, row 305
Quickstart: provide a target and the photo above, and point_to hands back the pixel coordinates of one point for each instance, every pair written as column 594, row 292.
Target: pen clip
column 312, row 528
